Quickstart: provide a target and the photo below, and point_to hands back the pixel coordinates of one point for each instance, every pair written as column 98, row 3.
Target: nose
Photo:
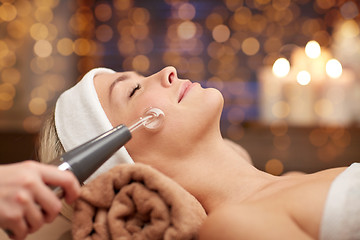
column 168, row 76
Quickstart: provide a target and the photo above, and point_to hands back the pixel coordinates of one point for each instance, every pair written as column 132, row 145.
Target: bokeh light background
column 283, row 66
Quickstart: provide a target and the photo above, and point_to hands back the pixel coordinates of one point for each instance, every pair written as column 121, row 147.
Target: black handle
column 85, row 159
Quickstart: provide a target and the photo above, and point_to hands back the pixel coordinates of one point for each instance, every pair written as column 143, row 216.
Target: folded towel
column 135, row 201
column 341, row 218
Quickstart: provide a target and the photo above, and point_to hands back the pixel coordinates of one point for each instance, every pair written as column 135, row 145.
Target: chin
column 216, row 98
column 212, row 104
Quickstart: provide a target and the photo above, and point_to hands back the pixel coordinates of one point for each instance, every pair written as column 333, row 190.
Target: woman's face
column 190, row 110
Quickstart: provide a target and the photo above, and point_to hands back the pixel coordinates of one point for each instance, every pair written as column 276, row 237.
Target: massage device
column 85, row 159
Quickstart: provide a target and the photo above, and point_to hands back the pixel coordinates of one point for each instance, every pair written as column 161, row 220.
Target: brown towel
column 135, row 201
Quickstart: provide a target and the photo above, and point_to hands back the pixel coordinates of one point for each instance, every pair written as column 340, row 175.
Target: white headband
column 79, row 118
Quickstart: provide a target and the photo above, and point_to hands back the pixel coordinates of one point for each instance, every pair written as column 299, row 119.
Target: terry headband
column 79, row 117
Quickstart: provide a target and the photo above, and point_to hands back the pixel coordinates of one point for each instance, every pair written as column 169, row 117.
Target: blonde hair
column 50, row 146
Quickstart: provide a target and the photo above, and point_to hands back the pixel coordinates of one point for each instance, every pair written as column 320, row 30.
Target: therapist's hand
column 26, row 201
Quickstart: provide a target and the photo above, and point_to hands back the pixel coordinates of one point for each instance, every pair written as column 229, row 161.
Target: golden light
column 221, row 33
column 43, row 48
column 242, row 15
column 7, row 12
column 140, row 15
column 17, row 29
column 82, row 46
column 250, row 46
column 65, row 46
column 232, row 5
column 4, row 49
column 122, row 5
column 280, row 4
column 4, row 104
column 274, row 166
column 41, row 92
column 333, row 68
column 103, row 12
column 9, row 60
column 281, row 67
column 186, row 11
column 141, row 63
column 303, row 78
column 313, row 49
column 7, row 92
column 186, row 30
column 37, row 106
column 23, row 8
column 350, row 29
column 43, row 14
column 39, row 31
column 325, row 4
column 349, row 10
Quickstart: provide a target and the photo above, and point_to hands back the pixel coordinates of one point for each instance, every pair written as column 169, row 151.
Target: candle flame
column 281, row 67
column 313, row 49
column 303, row 78
column 333, row 68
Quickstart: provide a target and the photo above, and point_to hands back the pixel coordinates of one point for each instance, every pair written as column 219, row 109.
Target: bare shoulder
column 250, row 221
column 289, row 209
column 302, row 198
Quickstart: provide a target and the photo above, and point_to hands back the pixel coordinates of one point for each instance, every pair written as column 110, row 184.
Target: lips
column 185, row 88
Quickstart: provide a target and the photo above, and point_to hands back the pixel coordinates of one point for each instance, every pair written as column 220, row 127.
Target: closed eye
column 137, row 87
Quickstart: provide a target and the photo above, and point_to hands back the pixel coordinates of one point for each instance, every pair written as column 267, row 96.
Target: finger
column 17, row 225
column 18, row 230
column 48, row 202
column 71, row 187
column 34, row 216
column 65, row 179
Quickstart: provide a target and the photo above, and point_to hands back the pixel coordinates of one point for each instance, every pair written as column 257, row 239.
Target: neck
column 216, row 174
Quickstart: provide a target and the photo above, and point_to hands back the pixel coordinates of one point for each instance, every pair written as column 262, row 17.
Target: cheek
column 141, row 105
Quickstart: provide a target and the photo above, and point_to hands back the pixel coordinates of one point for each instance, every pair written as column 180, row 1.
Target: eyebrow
column 122, row 77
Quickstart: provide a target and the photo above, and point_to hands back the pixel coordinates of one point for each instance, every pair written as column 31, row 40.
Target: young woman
column 242, row 202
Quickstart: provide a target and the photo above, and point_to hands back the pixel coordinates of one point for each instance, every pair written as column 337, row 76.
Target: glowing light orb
column 281, row 67
column 303, row 78
column 313, row 49
column 333, row 68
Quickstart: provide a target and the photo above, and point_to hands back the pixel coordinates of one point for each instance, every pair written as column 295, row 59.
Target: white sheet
column 341, row 218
